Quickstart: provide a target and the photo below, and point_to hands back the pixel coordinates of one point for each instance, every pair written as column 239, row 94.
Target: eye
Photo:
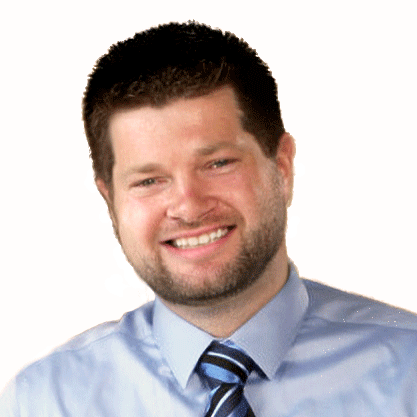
column 146, row 182
column 221, row 163
column 148, row 187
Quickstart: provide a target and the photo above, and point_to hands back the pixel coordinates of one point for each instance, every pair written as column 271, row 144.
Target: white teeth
column 203, row 239
column 213, row 236
column 193, row 241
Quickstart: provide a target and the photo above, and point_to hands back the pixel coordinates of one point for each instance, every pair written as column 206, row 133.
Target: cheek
column 259, row 192
column 244, row 194
column 138, row 222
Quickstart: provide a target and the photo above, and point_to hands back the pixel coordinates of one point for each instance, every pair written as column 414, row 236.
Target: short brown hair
column 178, row 60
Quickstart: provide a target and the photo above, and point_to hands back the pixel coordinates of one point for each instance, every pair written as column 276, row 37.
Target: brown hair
column 174, row 61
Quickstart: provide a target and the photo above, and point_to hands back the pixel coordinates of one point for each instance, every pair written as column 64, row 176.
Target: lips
column 199, row 240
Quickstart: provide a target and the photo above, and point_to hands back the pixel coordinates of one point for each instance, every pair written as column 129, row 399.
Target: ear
column 107, row 194
column 104, row 190
column 285, row 164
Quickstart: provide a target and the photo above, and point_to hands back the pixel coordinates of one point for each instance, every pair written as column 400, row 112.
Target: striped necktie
column 226, row 368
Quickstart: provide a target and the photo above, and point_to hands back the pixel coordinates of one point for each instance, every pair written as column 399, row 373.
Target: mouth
column 200, row 240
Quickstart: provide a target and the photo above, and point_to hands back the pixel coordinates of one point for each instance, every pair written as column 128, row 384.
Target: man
column 193, row 161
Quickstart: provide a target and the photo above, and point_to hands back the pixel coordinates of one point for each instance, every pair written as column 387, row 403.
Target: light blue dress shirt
column 323, row 353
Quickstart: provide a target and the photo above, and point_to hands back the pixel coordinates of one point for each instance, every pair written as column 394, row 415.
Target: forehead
column 208, row 122
column 219, row 105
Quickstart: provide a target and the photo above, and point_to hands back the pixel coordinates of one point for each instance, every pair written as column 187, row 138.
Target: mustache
column 182, row 225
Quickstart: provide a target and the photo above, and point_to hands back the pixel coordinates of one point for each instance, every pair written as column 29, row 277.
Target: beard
column 258, row 247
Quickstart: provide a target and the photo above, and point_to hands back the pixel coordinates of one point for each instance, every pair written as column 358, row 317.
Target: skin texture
column 189, row 169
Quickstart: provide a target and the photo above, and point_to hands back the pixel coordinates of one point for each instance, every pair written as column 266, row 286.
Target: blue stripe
column 226, row 369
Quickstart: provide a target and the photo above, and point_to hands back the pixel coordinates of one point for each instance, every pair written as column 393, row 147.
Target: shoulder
column 133, row 325
column 336, row 305
column 360, row 328
column 70, row 370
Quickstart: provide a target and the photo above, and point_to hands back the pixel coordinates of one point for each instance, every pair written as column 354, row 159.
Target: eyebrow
column 142, row 169
column 203, row 151
column 209, row 150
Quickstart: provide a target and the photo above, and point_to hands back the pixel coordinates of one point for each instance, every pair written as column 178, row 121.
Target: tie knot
column 225, row 363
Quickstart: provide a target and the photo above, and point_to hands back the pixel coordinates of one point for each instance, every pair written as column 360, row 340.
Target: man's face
column 198, row 208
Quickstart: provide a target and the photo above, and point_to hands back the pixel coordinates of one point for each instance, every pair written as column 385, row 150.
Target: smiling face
column 199, row 210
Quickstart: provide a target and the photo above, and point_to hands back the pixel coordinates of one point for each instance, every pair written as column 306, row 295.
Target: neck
column 222, row 318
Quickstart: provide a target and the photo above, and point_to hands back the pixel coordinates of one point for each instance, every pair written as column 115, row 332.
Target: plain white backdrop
column 346, row 75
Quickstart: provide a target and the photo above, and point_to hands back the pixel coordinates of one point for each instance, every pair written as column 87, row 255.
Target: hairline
column 147, row 102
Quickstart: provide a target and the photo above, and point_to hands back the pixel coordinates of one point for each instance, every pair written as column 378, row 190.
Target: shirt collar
column 181, row 343
column 266, row 337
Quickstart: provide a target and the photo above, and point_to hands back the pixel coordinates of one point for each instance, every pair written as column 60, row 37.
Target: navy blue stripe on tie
column 223, row 363
column 226, row 368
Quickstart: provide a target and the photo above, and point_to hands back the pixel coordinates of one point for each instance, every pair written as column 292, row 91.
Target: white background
column 347, row 84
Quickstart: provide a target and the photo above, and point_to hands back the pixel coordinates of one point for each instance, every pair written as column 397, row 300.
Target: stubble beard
column 258, row 248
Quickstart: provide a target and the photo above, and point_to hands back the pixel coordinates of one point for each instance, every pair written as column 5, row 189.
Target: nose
column 190, row 200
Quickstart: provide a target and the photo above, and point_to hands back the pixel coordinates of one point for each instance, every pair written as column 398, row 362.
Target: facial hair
column 258, row 248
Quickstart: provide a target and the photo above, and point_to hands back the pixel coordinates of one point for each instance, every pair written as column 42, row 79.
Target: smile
column 201, row 240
